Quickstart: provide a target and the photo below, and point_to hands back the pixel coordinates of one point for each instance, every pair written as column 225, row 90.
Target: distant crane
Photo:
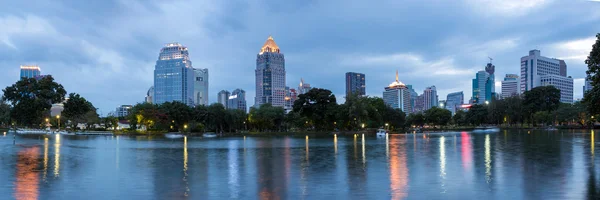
column 490, row 59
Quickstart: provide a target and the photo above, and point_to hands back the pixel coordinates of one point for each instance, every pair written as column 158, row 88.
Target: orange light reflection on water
column 398, row 168
column 27, row 179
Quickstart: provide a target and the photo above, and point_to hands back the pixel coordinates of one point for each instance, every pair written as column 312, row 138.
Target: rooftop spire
column 397, row 76
column 269, row 46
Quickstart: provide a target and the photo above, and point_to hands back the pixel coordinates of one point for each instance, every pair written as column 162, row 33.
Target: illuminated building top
column 396, row 83
column 269, row 46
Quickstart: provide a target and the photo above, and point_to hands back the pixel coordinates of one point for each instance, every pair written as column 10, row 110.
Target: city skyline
column 118, row 59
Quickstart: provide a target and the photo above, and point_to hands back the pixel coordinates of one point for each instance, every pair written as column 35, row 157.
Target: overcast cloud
column 106, row 50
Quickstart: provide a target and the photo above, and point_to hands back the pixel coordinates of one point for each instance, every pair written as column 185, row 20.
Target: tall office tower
column 174, row 75
column 355, row 84
column 270, row 75
column 481, row 88
column 150, row 95
column 397, row 95
column 430, row 98
column 537, row 70
column 587, row 86
column 237, row 100
column 222, row 97
column 420, row 103
column 490, row 69
column 510, row 85
column 123, row 111
column 413, row 97
column 30, row 71
column 453, row 100
column 201, row 86
column 303, row 87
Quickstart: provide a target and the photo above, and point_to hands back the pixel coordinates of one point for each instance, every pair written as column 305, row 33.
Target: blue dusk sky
column 106, row 50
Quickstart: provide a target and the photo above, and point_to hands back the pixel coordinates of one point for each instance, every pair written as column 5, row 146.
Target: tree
column 4, row 114
column 438, row 116
column 32, row 99
column 514, row 109
column 315, row 105
column 543, row 98
column 543, row 117
column 77, row 109
column 145, row 114
column 177, row 113
column 592, row 98
column 266, row 117
column 477, row 115
column 416, row 119
column 216, row 119
column 395, row 118
column 460, row 118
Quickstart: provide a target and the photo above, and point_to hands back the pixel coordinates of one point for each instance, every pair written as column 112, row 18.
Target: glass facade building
column 355, row 84
column 174, row 75
column 31, row 71
column 223, row 97
column 237, row 100
column 397, row 96
column 430, row 98
column 454, row 100
column 270, row 75
column 201, row 86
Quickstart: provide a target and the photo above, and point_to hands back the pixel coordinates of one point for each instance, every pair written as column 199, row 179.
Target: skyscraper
column 201, row 86
column 303, row 87
column 290, row 97
column 237, row 100
column 587, row 86
column 537, row 70
column 150, row 95
column 397, row 95
column 419, row 103
column 453, row 100
column 223, row 97
column 490, row 69
column 510, row 85
column 174, row 75
column 30, row 71
column 355, row 84
column 270, row 75
column 413, row 97
column 430, row 98
column 482, row 91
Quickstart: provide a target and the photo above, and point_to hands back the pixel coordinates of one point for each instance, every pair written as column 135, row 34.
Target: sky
column 106, row 50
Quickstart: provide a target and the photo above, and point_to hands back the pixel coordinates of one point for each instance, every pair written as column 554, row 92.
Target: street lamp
column 58, row 118
column 487, row 102
column 363, row 125
column 386, row 125
column 184, row 128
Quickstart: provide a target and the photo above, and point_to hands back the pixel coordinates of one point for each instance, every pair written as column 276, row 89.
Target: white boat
column 32, row 131
column 381, row 132
column 64, row 133
column 486, row 129
column 209, row 135
column 174, row 135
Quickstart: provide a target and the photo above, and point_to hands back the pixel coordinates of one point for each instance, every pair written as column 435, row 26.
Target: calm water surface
column 502, row 165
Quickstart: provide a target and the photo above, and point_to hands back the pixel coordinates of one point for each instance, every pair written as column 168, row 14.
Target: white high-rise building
column 303, row 87
column 537, row 70
column 397, row 95
column 201, row 87
column 270, row 75
column 223, row 97
column 150, row 95
column 510, row 85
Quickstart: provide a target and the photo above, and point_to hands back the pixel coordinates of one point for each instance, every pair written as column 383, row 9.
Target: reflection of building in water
column 356, row 169
column 271, row 175
column 27, row 179
column 57, row 155
column 398, row 167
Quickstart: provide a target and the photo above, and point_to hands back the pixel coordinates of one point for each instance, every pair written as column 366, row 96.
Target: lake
column 509, row 164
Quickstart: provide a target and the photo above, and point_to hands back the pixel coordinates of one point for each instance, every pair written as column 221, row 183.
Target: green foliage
column 592, row 97
column 32, row 99
column 572, row 113
column 79, row 110
column 543, row 117
column 477, row 114
column 4, row 114
column 416, row 119
column 460, row 118
column 395, row 118
column 438, row 116
column 318, row 107
column 266, row 118
column 176, row 113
